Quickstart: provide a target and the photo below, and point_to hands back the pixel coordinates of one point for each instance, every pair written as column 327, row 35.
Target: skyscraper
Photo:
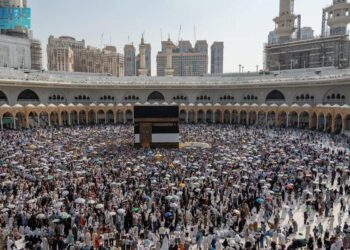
column 217, row 58
column 186, row 60
column 129, row 60
column 64, row 42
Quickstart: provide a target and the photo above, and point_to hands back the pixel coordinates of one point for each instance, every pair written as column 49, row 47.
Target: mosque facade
column 313, row 99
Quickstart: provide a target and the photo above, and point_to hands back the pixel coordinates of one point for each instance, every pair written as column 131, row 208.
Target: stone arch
column 235, row 117
column 282, row 119
column 44, row 119
column 110, row 117
column 275, row 96
column 338, row 126
column 54, row 118
column 28, row 96
column 227, row 117
column 321, row 121
column 191, row 116
column 3, row 98
column 328, row 122
column 33, row 119
column 82, row 117
column 182, row 116
column 243, row 117
column 7, row 120
column 218, row 116
column 57, row 97
column 261, row 118
column 209, row 116
column 252, row 118
column 65, row 118
column 129, row 116
column 155, row 96
column 200, row 116
column 313, row 121
column 120, row 116
column 304, row 119
column 293, row 119
column 347, row 123
column 335, row 96
column 91, row 119
column 20, row 120
column 101, row 118
column 271, row 118
column 74, row 118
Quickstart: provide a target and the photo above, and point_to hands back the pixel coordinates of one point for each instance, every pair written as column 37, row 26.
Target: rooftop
column 88, row 79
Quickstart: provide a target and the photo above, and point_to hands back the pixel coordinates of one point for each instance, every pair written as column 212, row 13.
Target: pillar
column 14, row 121
column 186, row 116
column 115, row 117
column 239, row 118
column 196, row 117
column 317, row 117
column 1, row 123
column 59, row 119
column 230, row 117
column 105, row 117
column 287, row 120
column 333, row 124
column 124, row 117
column 39, row 120
column 257, row 118
column 277, row 121
column 96, row 118
column 325, row 123
column 310, row 121
column 69, row 119
column 78, row 121
column 266, row 118
column 343, row 125
column 298, row 120
column 247, row 118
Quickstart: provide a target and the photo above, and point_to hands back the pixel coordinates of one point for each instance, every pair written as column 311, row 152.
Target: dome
column 173, row 103
column 18, row 106
column 156, row 103
column 30, row 106
column 41, row 105
column 263, row 105
column 80, row 105
column 191, row 104
column 274, row 105
column 255, row 105
column 5, row 106
column 147, row 103
column 229, row 104
column 284, row 105
column 345, row 106
column 128, row 105
column 327, row 106
column 319, row 105
column 120, row 105
column 110, row 105
column 208, row 105
column 336, row 106
column 182, row 104
column 52, row 105
column 62, row 105
column 237, row 105
column 92, row 105
column 71, row 105
column 200, row 105
column 295, row 105
column 165, row 103
column 138, row 103
column 306, row 106
column 102, row 105
column 217, row 105
column 245, row 105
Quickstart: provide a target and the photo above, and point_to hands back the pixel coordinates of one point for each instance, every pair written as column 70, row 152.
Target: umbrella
column 259, row 200
column 168, row 214
column 100, row 206
column 134, row 210
column 65, row 215
column 58, row 204
column 91, row 202
column 41, row 216
column 56, row 221
column 236, row 212
column 121, row 211
column 80, row 201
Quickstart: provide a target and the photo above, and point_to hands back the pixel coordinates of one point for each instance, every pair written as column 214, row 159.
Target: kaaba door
column 146, row 134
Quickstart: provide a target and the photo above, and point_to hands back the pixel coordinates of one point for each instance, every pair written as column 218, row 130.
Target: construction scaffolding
column 330, row 51
column 36, row 54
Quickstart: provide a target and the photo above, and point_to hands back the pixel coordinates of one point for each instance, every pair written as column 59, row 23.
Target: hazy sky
column 243, row 25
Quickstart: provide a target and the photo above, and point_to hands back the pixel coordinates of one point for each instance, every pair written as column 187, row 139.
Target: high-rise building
column 64, row 42
column 60, row 58
column 105, row 61
column 272, row 37
column 129, row 60
column 217, row 58
column 306, row 33
column 186, row 60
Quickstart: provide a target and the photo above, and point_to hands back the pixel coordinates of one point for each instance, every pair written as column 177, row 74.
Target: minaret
column 338, row 17
column 142, row 70
column 285, row 21
column 169, row 71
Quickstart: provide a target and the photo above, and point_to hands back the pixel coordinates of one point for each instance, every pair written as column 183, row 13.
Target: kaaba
column 156, row 126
